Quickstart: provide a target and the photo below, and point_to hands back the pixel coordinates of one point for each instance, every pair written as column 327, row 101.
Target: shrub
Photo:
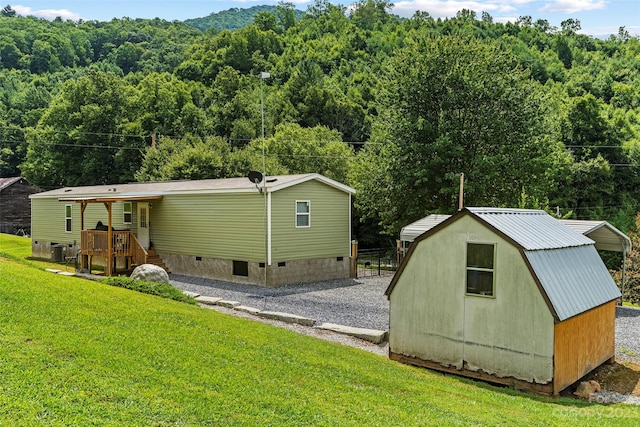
column 160, row 289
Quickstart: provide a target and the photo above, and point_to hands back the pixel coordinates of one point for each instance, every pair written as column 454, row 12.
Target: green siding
column 227, row 226
column 222, row 225
column 328, row 235
column 48, row 219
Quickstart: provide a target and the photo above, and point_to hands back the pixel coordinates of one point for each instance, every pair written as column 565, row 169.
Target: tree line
column 533, row 115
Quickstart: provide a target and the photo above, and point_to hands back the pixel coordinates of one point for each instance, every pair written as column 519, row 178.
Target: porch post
column 108, row 205
column 83, row 261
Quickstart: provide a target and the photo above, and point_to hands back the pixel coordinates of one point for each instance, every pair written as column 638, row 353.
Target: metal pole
column 624, row 273
column 264, row 75
column 461, row 195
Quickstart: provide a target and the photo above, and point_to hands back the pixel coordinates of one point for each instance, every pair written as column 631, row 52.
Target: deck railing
column 125, row 244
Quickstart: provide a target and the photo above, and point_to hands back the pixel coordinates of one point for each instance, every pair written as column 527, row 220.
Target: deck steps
column 154, row 258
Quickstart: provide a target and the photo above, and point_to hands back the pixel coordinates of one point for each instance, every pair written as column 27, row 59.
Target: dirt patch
column 621, row 377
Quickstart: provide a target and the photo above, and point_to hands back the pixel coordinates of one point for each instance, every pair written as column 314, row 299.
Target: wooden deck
column 123, row 245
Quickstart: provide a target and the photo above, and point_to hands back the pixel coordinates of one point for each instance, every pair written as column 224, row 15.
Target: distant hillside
column 232, row 19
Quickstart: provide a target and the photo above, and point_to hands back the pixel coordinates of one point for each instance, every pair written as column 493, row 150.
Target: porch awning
column 111, row 199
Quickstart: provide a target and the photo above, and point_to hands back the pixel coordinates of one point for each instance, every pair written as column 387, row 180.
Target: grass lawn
column 76, row 352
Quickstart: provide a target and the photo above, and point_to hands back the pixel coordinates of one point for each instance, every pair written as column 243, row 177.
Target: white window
column 126, row 213
column 303, row 213
column 480, row 266
column 67, row 218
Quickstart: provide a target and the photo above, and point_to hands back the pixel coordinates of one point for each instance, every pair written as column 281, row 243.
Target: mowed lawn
column 80, row 353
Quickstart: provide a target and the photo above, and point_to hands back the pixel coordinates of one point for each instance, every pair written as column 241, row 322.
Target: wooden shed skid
column 544, row 389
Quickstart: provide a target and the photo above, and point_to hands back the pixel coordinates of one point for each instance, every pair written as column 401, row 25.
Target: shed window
column 67, row 218
column 303, row 213
column 126, row 213
column 480, row 266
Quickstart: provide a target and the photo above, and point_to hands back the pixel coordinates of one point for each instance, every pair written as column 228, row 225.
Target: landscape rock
column 286, row 317
column 150, row 273
column 206, row 300
column 194, row 295
column 588, row 389
column 228, row 304
column 247, row 309
column 372, row 335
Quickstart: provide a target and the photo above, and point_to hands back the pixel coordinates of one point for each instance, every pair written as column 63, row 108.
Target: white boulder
column 150, row 273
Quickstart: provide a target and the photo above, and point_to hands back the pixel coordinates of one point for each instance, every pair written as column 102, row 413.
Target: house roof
column 6, row 182
column 564, row 263
column 606, row 236
column 205, row 186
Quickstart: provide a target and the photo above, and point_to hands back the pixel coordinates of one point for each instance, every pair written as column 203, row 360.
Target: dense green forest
column 533, row 115
column 234, row 18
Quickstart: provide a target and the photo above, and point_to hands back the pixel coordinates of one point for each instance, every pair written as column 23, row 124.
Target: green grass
column 77, row 352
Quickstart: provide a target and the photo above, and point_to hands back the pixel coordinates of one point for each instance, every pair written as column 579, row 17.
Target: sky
column 598, row 18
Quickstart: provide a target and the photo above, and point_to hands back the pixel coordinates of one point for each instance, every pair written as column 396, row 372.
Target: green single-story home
column 510, row 296
column 282, row 230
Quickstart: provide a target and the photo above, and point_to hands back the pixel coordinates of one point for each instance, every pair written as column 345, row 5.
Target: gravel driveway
column 360, row 303
column 628, row 334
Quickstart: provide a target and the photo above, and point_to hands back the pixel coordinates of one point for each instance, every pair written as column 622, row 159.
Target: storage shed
column 15, row 206
column 509, row 296
column 285, row 229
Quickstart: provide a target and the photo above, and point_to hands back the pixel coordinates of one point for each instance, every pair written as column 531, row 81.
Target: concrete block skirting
column 279, row 273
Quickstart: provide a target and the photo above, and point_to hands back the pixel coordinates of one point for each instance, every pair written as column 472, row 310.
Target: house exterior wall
column 431, row 318
column 329, row 233
column 48, row 223
column 15, row 207
column 201, row 235
column 582, row 343
column 225, row 226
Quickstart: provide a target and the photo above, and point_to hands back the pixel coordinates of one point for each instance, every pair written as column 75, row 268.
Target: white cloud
column 449, row 8
column 573, row 6
column 49, row 14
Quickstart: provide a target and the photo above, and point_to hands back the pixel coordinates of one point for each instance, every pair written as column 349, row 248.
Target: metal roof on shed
column 574, row 279
column 6, row 182
column 532, row 229
column 564, row 262
column 606, row 236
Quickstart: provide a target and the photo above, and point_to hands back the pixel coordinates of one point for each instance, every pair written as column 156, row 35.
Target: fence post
column 398, row 252
column 354, row 260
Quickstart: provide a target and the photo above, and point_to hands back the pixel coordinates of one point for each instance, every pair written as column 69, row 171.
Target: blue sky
column 598, row 18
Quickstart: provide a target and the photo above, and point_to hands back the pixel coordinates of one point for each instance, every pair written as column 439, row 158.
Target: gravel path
column 359, row 303
column 628, row 334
